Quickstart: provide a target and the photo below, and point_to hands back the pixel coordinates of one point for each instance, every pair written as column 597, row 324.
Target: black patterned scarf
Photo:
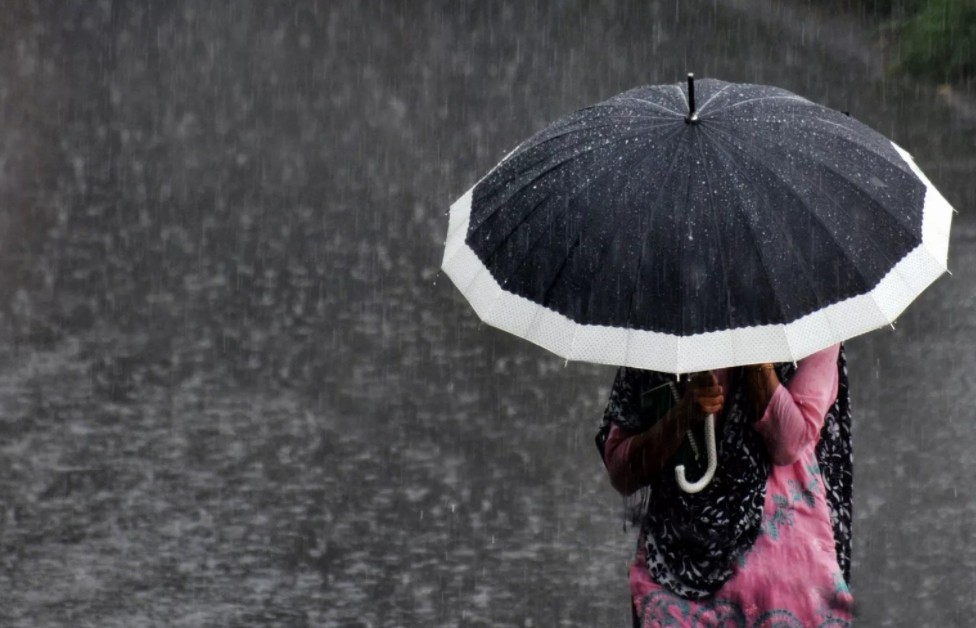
column 692, row 541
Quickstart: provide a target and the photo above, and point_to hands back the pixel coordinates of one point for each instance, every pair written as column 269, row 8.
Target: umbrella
column 695, row 226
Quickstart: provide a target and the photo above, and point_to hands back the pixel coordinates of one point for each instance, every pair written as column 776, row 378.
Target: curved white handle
column 703, row 481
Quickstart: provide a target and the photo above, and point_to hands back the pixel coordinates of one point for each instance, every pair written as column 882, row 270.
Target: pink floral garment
column 790, row 576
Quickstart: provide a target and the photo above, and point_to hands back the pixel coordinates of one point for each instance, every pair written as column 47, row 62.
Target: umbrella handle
column 704, row 480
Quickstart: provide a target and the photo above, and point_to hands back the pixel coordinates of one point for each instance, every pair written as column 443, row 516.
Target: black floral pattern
column 836, row 460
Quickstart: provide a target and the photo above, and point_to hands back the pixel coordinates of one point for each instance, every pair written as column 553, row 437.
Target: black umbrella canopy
column 743, row 224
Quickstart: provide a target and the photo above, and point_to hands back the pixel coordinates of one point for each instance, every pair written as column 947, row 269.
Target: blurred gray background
column 235, row 389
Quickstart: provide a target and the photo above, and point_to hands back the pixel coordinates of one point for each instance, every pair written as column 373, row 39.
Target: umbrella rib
column 646, row 102
column 713, row 97
column 650, row 220
column 803, row 267
column 576, row 153
column 895, row 160
column 575, row 246
column 680, row 284
column 577, row 126
column 755, row 243
column 616, row 235
column 739, row 103
column 684, row 97
column 640, row 262
column 565, row 262
column 758, row 160
column 718, row 239
column 827, row 231
column 871, row 200
column 531, row 213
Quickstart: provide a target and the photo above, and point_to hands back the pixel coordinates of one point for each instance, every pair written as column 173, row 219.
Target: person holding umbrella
column 741, row 240
column 769, row 537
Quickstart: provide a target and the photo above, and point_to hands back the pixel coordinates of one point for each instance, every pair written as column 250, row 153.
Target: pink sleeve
column 795, row 414
column 616, row 453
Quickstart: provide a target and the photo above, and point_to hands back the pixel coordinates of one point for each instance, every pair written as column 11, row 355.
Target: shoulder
column 823, row 359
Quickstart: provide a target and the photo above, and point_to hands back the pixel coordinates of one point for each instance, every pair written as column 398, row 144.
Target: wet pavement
column 236, row 391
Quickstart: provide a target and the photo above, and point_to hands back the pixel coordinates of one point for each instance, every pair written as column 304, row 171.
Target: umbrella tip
column 692, row 117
